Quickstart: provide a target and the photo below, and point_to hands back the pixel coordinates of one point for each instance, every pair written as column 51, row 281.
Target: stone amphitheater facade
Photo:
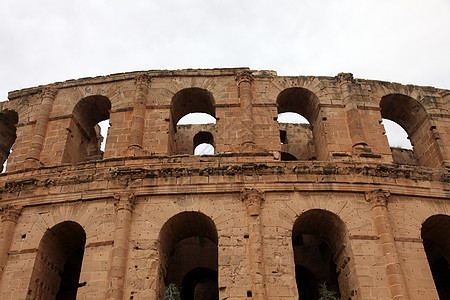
column 274, row 212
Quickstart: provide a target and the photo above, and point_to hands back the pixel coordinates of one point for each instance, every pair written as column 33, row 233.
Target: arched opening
column 57, row 267
column 318, row 239
column 292, row 118
column 84, row 133
column 203, row 143
column 8, row 121
column 192, row 111
column 399, row 142
column 412, row 117
column 297, row 114
column 189, row 255
column 287, row 156
column 435, row 235
column 396, row 135
column 200, row 283
column 307, row 285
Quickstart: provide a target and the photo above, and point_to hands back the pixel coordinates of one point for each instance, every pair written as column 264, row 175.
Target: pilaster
column 48, row 95
column 124, row 204
column 346, row 84
column 142, row 85
column 9, row 216
column 244, row 82
column 379, row 200
column 252, row 199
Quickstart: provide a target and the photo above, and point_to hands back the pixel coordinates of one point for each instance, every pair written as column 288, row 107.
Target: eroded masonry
column 271, row 211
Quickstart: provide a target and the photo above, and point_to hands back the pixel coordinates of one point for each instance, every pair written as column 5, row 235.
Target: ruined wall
column 249, row 221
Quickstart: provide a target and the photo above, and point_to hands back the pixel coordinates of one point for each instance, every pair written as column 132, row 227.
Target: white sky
column 406, row 41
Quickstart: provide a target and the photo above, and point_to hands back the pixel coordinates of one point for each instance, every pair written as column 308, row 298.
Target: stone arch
column 114, row 92
column 84, row 138
column 411, row 116
column 435, row 234
column 203, row 137
column 319, row 240
column 191, row 100
column 306, row 142
column 187, row 241
column 8, row 122
column 57, row 266
column 186, row 101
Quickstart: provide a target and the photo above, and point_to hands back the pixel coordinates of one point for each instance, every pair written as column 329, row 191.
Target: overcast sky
column 406, row 41
column 46, row 41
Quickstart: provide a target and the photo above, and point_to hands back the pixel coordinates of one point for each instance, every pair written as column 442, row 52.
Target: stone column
column 9, row 216
column 252, row 199
column 116, row 277
column 142, row 84
column 244, row 80
column 48, row 95
column 396, row 280
column 353, row 117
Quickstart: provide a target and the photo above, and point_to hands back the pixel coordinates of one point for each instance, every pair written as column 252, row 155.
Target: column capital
column 378, row 197
column 124, row 200
column 142, row 79
column 251, row 195
column 345, row 77
column 252, row 199
column 10, row 212
column 49, row 92
column 245, row 76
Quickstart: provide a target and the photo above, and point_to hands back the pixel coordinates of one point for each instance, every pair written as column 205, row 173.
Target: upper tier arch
column 324, row 101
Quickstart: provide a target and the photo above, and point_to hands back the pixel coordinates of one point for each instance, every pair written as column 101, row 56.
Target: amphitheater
column 272, row 212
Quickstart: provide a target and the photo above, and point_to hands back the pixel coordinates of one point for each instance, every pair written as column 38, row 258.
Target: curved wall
column 123, row 198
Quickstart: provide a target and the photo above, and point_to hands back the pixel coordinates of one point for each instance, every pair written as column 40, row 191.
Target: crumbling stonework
column 276, row 210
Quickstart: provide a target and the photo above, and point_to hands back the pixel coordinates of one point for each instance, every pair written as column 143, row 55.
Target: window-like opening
column 412, row 117
column 192, row 111
column 188, row 251
column 84, row 132
column 204, row 149
column 297, row 114
column 203, row 143
column 283, row 138
column 436, row 242
column 318, row 238
column 8, row 121
column 58, row 263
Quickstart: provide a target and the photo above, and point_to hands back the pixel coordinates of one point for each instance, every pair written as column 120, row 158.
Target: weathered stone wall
column 298, row 141
column 145, row 209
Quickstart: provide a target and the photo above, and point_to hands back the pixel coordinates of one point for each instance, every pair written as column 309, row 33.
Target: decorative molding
column 99, row 244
